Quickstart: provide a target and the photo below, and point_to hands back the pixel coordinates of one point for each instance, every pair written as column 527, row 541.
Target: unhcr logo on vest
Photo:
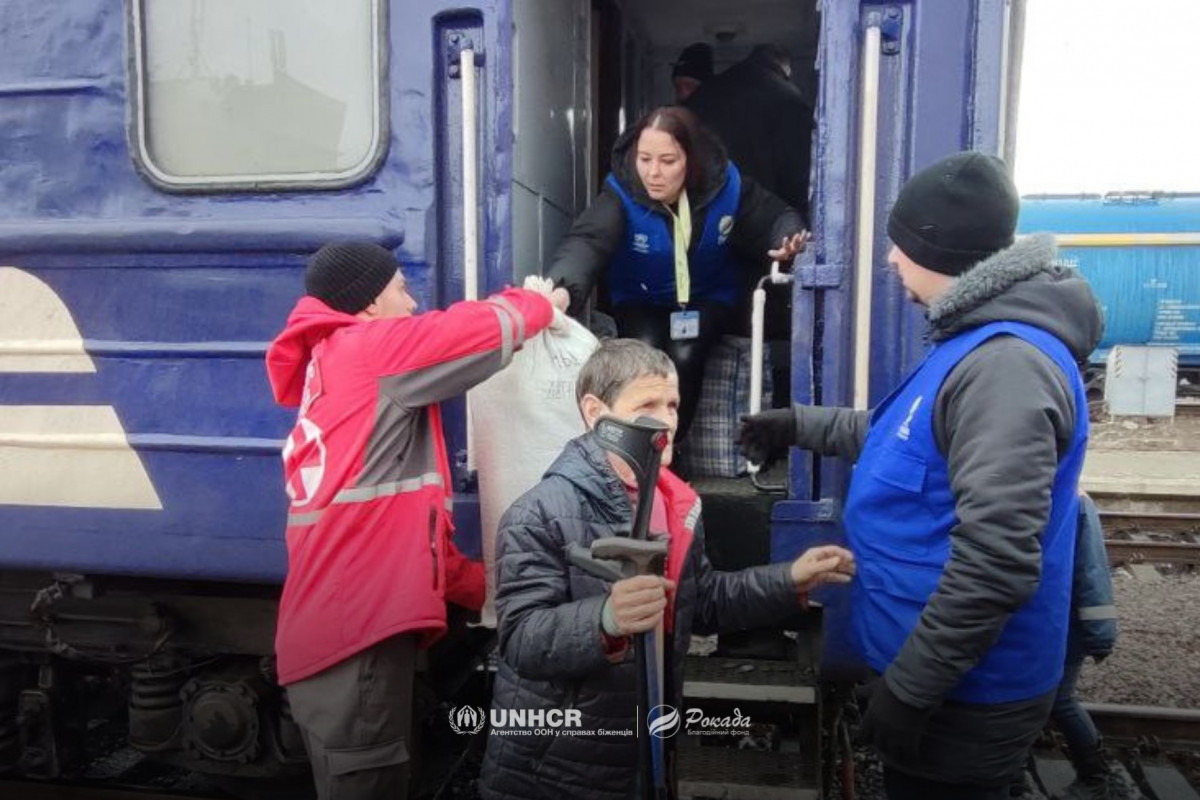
column 905, row 432
column 665, row 721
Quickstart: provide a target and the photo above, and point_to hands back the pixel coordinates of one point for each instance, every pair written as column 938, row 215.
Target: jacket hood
column 712, row 176
column 1022, row 283
column 309, row 324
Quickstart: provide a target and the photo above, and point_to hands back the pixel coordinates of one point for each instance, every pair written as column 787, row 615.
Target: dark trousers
column 356, row 718
column 901, row 786
column 652, row 325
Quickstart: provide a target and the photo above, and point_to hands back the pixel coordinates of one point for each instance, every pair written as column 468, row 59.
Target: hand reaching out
column 789, row 247
column 821, row 565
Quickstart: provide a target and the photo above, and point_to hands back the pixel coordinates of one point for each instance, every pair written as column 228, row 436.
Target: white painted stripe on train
column 37, row 332
column 64, row 456
column 70, row 456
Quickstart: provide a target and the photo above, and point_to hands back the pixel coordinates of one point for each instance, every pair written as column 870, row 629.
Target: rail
column 1125, row 551
column 1167, row 728
column 1152, row 521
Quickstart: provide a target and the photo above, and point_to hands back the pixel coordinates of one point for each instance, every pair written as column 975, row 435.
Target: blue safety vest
column 643, row 268
column 900, row 512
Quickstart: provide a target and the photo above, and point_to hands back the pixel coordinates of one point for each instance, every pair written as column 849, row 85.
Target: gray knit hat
column 348, row 276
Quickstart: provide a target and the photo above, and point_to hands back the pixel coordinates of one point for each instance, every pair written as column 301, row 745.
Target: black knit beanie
column 348, row 276
column 954, row 214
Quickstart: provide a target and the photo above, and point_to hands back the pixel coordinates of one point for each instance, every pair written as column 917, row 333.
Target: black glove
column 767, row 436
column 892, row 726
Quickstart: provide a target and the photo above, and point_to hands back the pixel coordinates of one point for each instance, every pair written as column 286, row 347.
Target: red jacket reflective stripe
column 366, row 469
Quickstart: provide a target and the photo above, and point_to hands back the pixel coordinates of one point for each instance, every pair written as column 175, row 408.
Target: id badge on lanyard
column 685, row 325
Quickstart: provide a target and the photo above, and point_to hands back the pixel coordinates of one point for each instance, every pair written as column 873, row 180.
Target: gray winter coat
column 551, row 645
column 1005, row 409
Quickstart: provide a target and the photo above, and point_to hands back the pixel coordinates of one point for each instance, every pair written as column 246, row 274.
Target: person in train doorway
column 962, row 506
column 370, row 561
column 565, row 636
column 693, row 67
column 766, row 126
column 675, row 226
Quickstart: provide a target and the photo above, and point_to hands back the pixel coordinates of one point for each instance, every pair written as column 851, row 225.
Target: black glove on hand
column 892, row 726
column 767, row 436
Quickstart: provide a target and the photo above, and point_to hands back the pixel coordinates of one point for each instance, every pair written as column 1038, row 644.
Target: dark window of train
column 258, row 93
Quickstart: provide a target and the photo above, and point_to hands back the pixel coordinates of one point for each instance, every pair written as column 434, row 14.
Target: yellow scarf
column 683, row 236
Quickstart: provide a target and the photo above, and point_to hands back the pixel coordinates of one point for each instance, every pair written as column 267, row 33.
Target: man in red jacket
column 370, row 561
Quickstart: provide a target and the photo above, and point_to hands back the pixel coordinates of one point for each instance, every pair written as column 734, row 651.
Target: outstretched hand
column 766, row 436
column 559, row 297
column 821, row 565
column 789, row 247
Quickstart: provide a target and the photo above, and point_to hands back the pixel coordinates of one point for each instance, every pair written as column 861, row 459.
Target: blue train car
column 1141, row 254
column 168, row 167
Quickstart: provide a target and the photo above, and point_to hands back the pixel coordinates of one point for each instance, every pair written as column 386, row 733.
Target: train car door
column 901, row 85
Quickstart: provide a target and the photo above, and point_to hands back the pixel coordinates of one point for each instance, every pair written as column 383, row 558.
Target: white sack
column 523, row 416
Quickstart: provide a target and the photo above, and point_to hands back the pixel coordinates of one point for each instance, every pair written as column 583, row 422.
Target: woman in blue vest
column 962, row 508
column 674, row 226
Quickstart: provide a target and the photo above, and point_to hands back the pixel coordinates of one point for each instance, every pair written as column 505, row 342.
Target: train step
column 732, row 774
column 749, row 680
column 737, row 520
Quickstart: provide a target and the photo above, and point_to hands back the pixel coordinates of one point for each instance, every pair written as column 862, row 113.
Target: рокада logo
column 467, row 719
column 663, row 721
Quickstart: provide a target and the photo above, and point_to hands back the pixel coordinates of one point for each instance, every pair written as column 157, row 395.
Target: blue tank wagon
column 1141, row 254
column 169, row 166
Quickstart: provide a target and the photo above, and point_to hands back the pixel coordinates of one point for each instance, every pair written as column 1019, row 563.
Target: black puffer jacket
column 551, row 645
column 766, row 125
column 762, row 221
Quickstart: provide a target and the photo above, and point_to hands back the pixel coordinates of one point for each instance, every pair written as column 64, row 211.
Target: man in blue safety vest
column 963, row 503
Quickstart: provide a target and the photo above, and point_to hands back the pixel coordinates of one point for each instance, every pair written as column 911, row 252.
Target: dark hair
column 616, row 364
column 697, row 143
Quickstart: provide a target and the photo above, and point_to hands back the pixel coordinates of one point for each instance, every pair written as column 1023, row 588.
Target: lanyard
column 683, row 236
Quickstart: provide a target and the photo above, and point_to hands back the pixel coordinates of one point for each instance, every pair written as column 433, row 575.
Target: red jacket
column 369, row 550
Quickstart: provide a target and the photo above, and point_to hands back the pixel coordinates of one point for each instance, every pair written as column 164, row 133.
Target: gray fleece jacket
column 1005, row 409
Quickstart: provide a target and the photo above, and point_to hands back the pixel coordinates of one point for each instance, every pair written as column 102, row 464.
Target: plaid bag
column 710, row 451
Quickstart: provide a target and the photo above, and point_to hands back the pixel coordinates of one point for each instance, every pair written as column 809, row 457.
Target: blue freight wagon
column 168, row 167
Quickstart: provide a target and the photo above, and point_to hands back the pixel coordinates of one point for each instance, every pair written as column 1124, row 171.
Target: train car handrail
column 864, row 253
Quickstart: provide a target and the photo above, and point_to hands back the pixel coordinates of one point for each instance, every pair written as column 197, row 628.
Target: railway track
column 1163, row 728
column 1136, row 551
column 1175, row 522
column 1152, row 530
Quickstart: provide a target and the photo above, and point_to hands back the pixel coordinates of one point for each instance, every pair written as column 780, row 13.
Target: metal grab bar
column 865, row 245
column 470, row 148
column 470, row 194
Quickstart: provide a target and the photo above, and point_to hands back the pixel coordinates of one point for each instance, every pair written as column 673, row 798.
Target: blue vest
column 898, row 518
column 643, row 268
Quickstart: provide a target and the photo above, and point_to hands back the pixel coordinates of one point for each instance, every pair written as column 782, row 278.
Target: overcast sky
column 1110, row 97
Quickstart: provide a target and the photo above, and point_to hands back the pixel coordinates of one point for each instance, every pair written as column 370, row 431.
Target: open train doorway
column 585, row 70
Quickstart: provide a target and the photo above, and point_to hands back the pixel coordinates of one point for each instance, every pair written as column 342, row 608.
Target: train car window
column 1107, row 97
column 257, row 94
